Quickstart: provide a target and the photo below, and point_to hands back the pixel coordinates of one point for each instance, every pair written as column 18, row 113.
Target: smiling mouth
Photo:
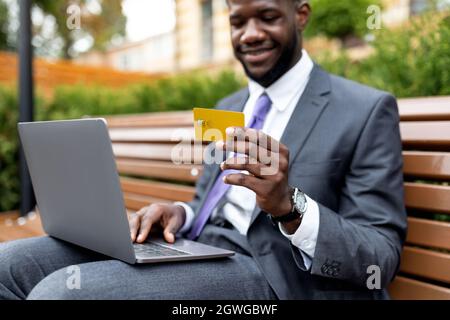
column 258, row 51
column 257, row 56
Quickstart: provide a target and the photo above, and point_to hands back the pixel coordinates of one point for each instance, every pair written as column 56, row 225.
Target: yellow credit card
column 211, row 125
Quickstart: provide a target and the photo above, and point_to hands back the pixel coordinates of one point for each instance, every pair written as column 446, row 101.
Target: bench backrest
column 425, row 267
column 143, row 145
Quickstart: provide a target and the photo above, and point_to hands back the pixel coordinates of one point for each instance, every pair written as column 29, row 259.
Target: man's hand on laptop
column 169, row 218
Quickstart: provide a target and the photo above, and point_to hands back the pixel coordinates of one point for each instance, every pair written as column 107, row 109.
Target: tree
column 100, row 24
column 342, row 19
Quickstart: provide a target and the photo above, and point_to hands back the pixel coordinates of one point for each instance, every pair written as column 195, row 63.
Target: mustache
column 266, row 45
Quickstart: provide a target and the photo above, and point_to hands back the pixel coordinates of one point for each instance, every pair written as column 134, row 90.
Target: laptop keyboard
column 151, row 249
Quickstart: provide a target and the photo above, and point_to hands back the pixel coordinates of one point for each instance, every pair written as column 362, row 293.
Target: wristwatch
column 299, row 207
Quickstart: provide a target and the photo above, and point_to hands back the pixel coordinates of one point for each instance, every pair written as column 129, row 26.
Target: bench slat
column 134, row 202
column 159, row 169
column 422, row 196
column 166, row 191
column 151, row 120
column 408, row 289
column 429, row 233
column 187, row 153
column 173, row 135
column 422, row 133
column 433, row 165
column 427, row 108
column 426, row 263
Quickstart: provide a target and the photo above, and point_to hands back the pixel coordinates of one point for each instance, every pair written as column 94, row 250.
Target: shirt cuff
column 189, row 217
column 305, row 238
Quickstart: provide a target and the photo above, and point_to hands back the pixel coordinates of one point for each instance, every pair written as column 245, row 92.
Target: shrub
column 415, row 61
column 339, row 19
column 9, row 146
column 409, row 62
column 177, row 93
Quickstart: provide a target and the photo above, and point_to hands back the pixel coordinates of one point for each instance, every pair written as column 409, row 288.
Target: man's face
column 265, row 37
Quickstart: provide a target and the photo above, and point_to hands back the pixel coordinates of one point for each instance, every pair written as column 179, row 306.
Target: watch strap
column 291, row 216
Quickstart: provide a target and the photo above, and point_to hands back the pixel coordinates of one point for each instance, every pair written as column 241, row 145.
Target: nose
column 252, row 33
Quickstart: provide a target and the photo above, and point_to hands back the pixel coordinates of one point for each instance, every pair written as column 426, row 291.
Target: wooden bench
column 13, row 227
column 143, row 147
column 425, row 266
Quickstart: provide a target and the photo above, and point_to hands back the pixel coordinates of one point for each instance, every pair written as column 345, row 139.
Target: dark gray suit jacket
column 346, row 154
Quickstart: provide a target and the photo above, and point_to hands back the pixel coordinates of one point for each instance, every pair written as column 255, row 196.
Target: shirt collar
column 285, row 89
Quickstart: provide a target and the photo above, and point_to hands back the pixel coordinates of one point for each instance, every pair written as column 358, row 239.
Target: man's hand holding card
column 266, row 159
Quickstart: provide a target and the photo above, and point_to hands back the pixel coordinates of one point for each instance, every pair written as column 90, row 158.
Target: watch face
column 300, row 202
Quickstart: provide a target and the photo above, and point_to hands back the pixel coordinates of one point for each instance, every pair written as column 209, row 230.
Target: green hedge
column 9, row 182
column 339, row 19
column 409, row 62
column 172, row 94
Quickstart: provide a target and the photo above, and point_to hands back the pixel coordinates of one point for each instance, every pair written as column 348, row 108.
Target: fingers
column 170, row 217
column 255, row 136
column 172, row 222
column 256, row 145
column 170, row 229
column 134, row 221
column 253, row 183
column 250, row 153
column 149, row 218
column 244, row 164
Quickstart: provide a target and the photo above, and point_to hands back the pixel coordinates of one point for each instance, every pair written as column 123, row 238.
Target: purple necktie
column 262, row 108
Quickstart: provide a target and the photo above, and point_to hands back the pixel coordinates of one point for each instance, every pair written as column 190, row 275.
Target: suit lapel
column 309, row 108
column 239, row 104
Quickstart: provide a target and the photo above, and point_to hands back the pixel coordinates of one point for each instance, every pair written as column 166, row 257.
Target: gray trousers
column 41, row 268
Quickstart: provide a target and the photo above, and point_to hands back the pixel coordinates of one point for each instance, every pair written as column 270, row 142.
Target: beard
column 283, row 65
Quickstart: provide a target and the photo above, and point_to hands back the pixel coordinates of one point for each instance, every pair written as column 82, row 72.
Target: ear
column 302, row 13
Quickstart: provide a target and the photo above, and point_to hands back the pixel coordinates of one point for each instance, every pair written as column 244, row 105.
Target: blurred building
column 153, row 55
column 398, row 11
column 202, row 33
column 201, row 38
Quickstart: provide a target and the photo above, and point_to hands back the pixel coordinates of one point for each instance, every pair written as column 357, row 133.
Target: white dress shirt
column 240, row 202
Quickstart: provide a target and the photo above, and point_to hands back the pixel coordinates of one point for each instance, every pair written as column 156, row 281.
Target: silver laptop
column 79, row 196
